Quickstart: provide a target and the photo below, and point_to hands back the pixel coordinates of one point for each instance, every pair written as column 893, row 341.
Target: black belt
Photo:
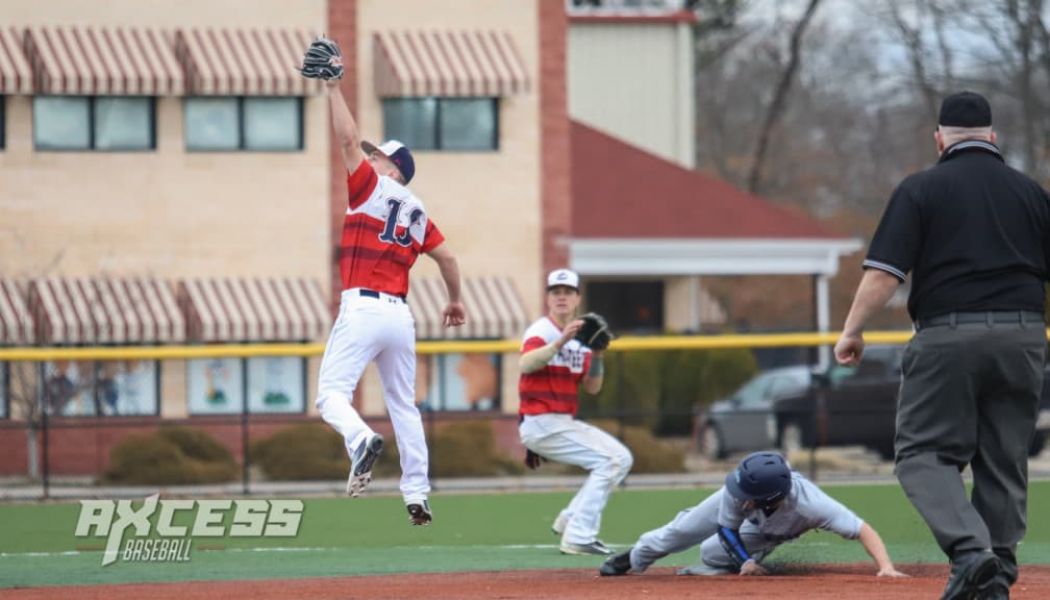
column 991, row 317
column 374, row 294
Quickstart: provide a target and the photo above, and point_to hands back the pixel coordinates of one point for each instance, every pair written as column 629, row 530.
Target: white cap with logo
column 563, row 277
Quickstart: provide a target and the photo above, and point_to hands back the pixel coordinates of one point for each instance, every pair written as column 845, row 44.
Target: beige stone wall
column 682, row 303
column 167, row 212
column 173, row 403
column 486, row 204
column 165, row 13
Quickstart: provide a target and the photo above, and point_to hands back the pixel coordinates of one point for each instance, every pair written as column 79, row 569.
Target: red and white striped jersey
column 385, row 230
column 552, row 389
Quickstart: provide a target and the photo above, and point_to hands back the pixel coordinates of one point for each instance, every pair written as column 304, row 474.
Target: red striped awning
column 494, row 309
column 15, row 75
column 265, row 310
column 448, row 63
column 101, row 61
column 251, row 62
column 80, row 310
column 16, row 323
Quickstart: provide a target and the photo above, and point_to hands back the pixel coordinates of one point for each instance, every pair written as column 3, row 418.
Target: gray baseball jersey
column 806, row 508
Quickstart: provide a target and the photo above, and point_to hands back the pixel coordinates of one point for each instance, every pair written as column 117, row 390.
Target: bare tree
column 1023, row 16
column 911, row 36
column 780, row 94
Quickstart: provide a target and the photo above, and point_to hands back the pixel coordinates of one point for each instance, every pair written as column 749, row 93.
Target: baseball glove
column 533, row 460
column 595, row 332
column 322, row 60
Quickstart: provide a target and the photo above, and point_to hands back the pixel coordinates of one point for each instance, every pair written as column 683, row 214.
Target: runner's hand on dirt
column 753, row 568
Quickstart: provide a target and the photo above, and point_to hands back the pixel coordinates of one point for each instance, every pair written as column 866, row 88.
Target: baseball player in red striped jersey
column 553, row 364
column 386, row 228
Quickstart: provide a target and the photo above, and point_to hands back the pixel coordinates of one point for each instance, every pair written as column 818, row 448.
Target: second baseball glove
column 594, row 333
column 323, row 60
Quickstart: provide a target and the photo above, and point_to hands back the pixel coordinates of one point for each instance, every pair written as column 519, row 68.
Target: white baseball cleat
column 597, row 548
column 559, row 525
column 361, row 465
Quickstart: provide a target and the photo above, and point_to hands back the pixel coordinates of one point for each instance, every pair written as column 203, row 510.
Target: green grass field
column 471, row 532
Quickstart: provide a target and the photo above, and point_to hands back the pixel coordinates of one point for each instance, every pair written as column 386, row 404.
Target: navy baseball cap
column 761, row 476
column 398, row 154
column 965, row 109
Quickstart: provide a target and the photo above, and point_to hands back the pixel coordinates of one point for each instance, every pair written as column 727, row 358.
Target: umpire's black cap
column 965, row 109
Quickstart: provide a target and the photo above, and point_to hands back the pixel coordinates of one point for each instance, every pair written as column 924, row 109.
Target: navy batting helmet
column 764, row 477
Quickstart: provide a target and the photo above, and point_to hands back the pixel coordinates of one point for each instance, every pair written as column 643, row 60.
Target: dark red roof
column 621, row 191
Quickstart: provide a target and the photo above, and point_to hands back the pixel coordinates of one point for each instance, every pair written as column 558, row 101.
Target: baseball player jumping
column 553, row 363
column 386, row 228
column 762, row 505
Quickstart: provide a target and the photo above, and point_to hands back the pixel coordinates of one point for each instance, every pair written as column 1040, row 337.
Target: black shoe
column 419, row 513
column 970, row 572
column 997, row 589
column 616, row 565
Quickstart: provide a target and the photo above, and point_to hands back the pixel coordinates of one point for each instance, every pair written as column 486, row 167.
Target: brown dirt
column 816, row 581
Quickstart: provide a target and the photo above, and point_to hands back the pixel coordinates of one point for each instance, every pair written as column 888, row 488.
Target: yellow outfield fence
column 623, row 344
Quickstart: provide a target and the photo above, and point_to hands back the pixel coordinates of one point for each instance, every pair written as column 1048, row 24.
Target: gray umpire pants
column 698, row 525
column 969, row 395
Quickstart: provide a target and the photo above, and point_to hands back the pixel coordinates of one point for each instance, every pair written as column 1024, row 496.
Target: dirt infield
column 817, row 581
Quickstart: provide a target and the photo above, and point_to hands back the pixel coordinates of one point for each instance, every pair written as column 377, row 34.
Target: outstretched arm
column 454, row 314
column 877, row 550
column 346, row 133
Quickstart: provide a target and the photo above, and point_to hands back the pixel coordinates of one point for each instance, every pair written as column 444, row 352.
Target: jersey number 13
column 389, row 234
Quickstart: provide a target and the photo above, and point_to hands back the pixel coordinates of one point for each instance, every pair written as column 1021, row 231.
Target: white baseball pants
column 562, row 438
column 379, row 329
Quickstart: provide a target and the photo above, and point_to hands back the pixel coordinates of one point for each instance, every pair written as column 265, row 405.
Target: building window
column 233, row 123
column 636, row 306
column 448, row 124
column 273, row 124
column 123, row 123
column 276, row 384
column 110, row 123
column 217, row 386
column 62, row 123
column 459, row 382
column 110, row 388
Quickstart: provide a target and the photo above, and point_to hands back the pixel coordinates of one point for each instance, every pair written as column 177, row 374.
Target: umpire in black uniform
column 974, row 235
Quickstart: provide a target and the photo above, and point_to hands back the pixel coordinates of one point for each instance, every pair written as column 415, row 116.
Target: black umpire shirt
column 974, row 233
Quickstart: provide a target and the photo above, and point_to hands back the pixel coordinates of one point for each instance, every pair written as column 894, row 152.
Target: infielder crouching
column 553, row 364
column 762, row 505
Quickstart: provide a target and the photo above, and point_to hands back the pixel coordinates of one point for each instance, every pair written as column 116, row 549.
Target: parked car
column 859, row 409
column 860, row 405
column 745, row 421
